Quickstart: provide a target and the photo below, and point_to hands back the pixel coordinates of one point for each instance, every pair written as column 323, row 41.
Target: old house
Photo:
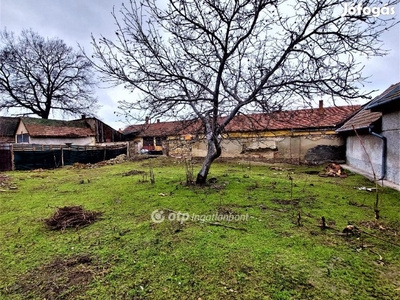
column 156, row 138
column 103, row 133
column 373, row 136
column 54, row 132
column 42, row 143
column 306, row 135
column 85, row 131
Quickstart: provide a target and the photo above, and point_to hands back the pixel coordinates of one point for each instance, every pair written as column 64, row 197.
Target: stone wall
column 304, row 148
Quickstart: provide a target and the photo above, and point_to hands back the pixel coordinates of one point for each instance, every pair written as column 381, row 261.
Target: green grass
column 266, row 257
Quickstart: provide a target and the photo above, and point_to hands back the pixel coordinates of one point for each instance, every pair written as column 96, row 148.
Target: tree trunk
column 213, row 152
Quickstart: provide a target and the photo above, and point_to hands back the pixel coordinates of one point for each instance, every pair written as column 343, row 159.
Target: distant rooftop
column 56, row 128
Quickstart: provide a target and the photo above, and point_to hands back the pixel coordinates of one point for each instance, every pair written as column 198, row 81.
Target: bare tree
column 211, row 59
column 41, row 75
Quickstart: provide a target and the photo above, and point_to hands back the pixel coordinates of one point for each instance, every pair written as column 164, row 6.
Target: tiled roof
column 389, row 95
column 329, row 117
column 8, row 126
column 56, row 128
column 163, row 128
column 365, row 117
column 361, row 120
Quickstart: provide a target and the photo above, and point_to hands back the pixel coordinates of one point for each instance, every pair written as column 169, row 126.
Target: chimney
column 321, row 107
column 158, row 120
column 147, row 120
column 83, row 117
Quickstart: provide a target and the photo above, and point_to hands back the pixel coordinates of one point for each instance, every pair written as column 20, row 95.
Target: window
column 148, row 141
column 23, row 138
column 158, row 141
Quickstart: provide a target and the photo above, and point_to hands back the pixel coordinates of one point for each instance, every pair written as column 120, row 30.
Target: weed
column 278, row 252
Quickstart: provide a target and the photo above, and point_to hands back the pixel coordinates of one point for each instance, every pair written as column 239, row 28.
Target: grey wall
column 357, row 157
column 391, row 130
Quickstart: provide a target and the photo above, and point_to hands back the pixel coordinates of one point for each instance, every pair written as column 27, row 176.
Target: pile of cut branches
column 71, row 216
column 334, row 170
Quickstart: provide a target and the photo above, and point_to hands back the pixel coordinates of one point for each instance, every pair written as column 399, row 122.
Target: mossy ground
column 125, row 255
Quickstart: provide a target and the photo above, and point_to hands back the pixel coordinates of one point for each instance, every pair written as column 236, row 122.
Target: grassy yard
column 277, row 250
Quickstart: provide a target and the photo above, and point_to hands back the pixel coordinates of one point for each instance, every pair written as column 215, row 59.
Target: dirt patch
column 71, row 217
column 78, row 165
column 63, row 278
column 134, row 172
column 117, row 160
column 293, row 202
column 312, row 172
column 388, row 229
column 223, row 210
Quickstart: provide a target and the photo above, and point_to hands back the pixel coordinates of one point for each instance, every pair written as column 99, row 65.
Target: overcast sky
column 74, row 20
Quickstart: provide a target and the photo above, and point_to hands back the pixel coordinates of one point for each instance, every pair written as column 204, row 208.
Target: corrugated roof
column 389, row 95
column 57, row 128
column 329, row 117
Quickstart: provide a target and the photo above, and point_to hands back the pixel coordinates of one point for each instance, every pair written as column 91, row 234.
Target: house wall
column 81, row 141
column 300, row 147
column 391, row 130
column 135, row 146
column 358, row 158
column 104, row 133
column 20, row 130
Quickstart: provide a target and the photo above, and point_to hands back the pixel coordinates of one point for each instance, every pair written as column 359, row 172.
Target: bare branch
column 41, row 75
column 211, row 59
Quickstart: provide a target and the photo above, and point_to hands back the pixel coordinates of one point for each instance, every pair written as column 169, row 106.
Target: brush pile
column 333, row 170
column 71, row 217
column 5, row 183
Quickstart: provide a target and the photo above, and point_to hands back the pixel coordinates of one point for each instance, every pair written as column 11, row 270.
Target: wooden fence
column 6, row 158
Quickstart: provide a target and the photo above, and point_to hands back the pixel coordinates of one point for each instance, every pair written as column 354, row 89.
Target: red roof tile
column 55, row 128
column 361, row 120
column 367, row 114
column 163, row 128
column 329, row 117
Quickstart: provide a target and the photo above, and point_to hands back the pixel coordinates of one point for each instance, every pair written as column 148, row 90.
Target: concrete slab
column 384, row 183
